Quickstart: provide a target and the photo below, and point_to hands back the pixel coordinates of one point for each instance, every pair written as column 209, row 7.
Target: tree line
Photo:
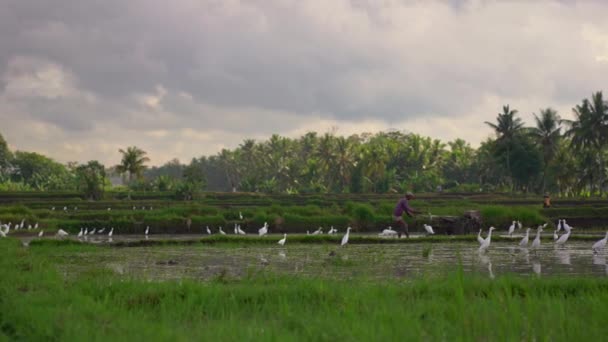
column 563, row 157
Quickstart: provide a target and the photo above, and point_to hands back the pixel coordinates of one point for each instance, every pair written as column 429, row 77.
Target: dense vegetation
column 40, row 303
column 564, row 157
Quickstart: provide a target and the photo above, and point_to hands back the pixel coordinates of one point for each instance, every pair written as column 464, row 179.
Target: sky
column 186, row 78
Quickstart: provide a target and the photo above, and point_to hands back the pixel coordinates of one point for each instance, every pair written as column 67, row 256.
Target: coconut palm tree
column 547, row 134
column 507, row 127
column 133, row 160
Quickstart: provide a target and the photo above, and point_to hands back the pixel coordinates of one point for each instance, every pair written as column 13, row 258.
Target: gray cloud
column 214, row 72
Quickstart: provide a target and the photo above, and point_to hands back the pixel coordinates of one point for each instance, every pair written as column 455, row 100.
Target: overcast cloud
column 81, row 79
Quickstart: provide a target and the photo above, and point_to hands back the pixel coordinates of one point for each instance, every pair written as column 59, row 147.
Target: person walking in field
column 403, row 206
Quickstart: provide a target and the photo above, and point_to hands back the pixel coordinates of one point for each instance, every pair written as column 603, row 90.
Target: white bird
column 147, row 230
column 81, row 232
column 519, row 225
column 29, row 227
column 65, row 208
column 331, row 230
column 109, row 209
column 536, row 242
column 559, row 225
column 62, row 232
column 486, row 243
column 86, row 231
column 240, row 231
column 92, row 232
column 264, row 230
column 429, row 229
column 111, row 232
column 208, row 230
column 308, row 232
column 134, row 208
column 598, row 246
column 282, row 241
column 555, row 236
column 235, row 230
column 345, row 237
column 2, row 233
column 511, row 228
column 389, row 232
column 240, row 215
column 221, row 231
column 479, row 238
column 53, row 208
column 36, row 225
column 562, row 239
column 524, row 241
column 318, row 231
column 41, row 233
column 22, row 223
column 101, row 230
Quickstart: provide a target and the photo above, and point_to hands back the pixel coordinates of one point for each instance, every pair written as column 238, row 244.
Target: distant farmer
column 403, row 206
column 546, row 201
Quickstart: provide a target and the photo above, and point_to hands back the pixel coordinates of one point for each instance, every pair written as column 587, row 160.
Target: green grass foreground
column 38, row 303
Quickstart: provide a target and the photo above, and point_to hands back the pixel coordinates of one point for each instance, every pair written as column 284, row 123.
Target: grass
column 37, row 303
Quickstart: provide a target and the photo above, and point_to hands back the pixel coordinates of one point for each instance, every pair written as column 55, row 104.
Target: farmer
column 403, row 206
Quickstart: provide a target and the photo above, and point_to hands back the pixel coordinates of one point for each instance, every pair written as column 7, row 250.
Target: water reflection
column 536, row 268
column 563, row 256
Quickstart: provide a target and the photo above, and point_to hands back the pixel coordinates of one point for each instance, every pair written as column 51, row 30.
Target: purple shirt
column 402, row 206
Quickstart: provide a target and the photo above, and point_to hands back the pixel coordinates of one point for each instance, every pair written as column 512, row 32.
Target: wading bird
column 282, row 241
column 2, row 233
column 598, row 246
column 318, row 231
column 240, row 215
column 147, row 230
column 221, row 231
column 555, row 236
column 511, row 228
column 486, row 243
column 92, row 232
column 536, row 242
column 524, row 241
column 519, row 225
column 240, row 231
column 559, row 225
column 345, row 237
column 41, row 233
column 562, row 239
column 101, row 230
column 81, row 232
column 264, row 230
column 389, row 232
column 208, row 231
column 111, row 232
column 62, row 232
column 429, row 229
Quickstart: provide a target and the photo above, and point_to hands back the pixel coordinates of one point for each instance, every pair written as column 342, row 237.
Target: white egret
column 109, row 209
column 235, row 230
column 147, row 230
column 62, row 232
column 36, row 225
column 282, row 241
column 53, row 208
column 92, row 232
column 240, row 231
column 81, row 232
column 101, row 230
column 559, row 225
column 86, row 231
column 2, row 233
column 65, row 208
column 111, row 232
column 221, row 231
column 345, row 237
column 318, row 231
column 599, row 245
column 208, row 231
column 519, row 225
column 566, row 226
column 389, row 232
column 486, row 243
column 479, row 238
column 429, row 229
column 29, row 227
column 524, row 241
column 331, row 230
column 555, row 236
column 536, row 242
column 41, row 233
column 562, row 239
column 511, row 228
column 264, row 230
column 240, row 215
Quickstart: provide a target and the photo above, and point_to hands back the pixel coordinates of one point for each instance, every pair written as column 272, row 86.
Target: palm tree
column 133, row 160
column 589, row 130
column 547, row 134
column 507, row 127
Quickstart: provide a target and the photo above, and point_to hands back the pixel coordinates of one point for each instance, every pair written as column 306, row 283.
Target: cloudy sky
column 183, row 78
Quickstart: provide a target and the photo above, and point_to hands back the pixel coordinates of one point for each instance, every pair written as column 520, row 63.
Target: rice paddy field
column 180, row 283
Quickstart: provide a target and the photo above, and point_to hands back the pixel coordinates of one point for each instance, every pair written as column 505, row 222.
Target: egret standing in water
column 221, row 231
column 208, row 230
column 524, row 241
column 111, row 232
column 282, row 241
column 345, row 237
column 511, row 228
column 536, row 242
column 486, row 243
column 41, row 233
column 562, row 239
column 598, row 246
column 429, row 229
column 264, row 230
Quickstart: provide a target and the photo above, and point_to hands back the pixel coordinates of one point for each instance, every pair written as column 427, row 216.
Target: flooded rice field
column 375, row 261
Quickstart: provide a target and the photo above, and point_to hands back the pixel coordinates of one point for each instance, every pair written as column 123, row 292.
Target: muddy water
column 371, row 261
